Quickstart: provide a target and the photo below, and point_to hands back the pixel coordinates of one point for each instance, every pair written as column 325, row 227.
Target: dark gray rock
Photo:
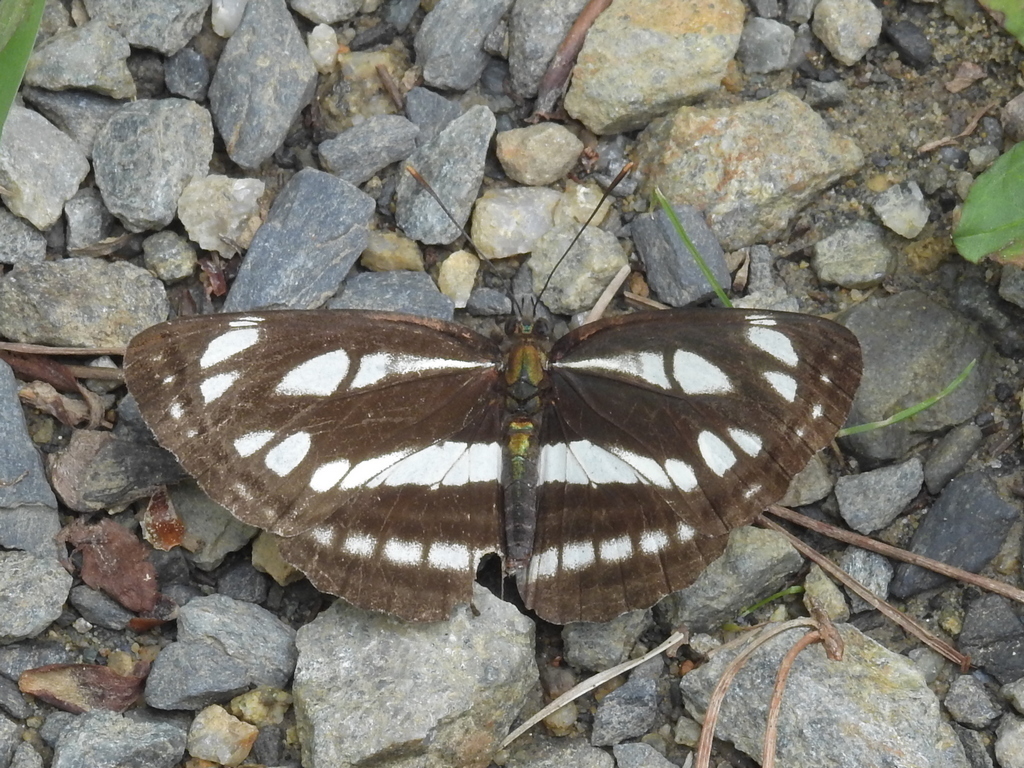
column 541, row 752
column 28, row 508
column 976, row 746
column 164, row 25
column 965, row 527
column 598, row 646
column 487, row 302
column 453, row 687
column 627, row 712
column 1000, row 320
column 824, row 698
column 191, row 674
column 92, row 57
column 359, row 153
column 450, row 41
column 536, row 28
column 146, row 154
column 672, row 271
column 639, row 755
column 79, row 302
column 96, row 608
column 17, row 657
column 32, row 590
column 950, row 454
column 105, row 738
column 88, row 220
column 993, row 636
column 77, row 113
column 241, row 581
column 12, row 700
column 910, row 43
column 411, row 293
column 869, row 501
column 430, row 111
column 40, row 167
column 871, row 570
column 453, row 164
column 26, row 756
column 970, row 704
column 765, row 45
column 187, row 74
column 20, row 242
column 264, row 78
column 313, row 235
column 246, row 632
column 10, row 736
column 912, row 349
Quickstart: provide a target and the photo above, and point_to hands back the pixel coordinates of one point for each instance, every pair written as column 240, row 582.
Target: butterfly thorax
column 526, row 384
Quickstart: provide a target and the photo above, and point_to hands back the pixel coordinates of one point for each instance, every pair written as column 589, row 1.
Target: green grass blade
column 666, row 206
column 19, row 24
column 913, row 410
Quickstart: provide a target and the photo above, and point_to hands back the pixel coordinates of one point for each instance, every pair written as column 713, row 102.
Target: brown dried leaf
column 162, row 527
column 114, row 561
column 966, row 75
column 83, row 687
column 43, row 397
column 31, row 367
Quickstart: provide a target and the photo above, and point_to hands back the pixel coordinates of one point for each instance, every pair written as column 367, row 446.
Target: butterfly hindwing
column 666, row 430
column 380, row 468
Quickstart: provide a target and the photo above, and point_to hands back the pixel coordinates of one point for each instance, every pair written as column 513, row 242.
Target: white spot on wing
column 359, row 544
column 484, row 462
column 249, row 443
column 449, row 557
column 684, row 533
column 697, row 376
column 369, row 469
column 381, row 365
column 403, row 552
column 652, row 542
column 543, row 565
column 319, row 376
column 764, row 320
column 324, row 535
column 424, row 467
column 616, row 550
column 782, row 383
column 716, row 454
column 681, row 474
column 176, row 411
column 215, row 386
column 645, row 467
column 227, row 345
column 288, row 454
column 577, row 555
column 816, row 411
column 328, row 475
column 649, row 367
column 774, row 344
column 748, row 442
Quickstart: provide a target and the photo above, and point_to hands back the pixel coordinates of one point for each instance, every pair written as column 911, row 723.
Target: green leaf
column 992, row 221
column 19, row 24
column 1009, row 13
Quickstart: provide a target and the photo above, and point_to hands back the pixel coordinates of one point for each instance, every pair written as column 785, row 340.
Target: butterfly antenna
column 430, row 190
column 615, row 182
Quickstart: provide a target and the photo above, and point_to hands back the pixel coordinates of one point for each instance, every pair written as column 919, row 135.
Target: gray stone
column 614, row 87
column 326, row 11
column 358, row 154
column 750, row 168
column 873, row 572
column 98, row 609
column 246, row 632
column 1009, row 747
column 965, row 528
column 187, row 74
column 88, row 220
column 672, row 271
column 20, row 242
column 765, row 45
column 540, row 752
column 902, row 209
column 164, row 25
column 146, row 154
column 107, row 739
column 869, row 501
column 79, row 114
column 756, row 563
column 430, row 111
column 598, row 646
column 26, row 756
column 594, row 259
column 453, row 688
column 79, row 302
column 32, row 590
column 169, row 256
column 627, row 712
column 191, row 674
column 848, row 28
column 18, row 657
column 411, row 293
column 93, row 57
column 40, row 167
column 536, row 28
column 993, row 636
column 950, row 455
column 453, row 163
column 813, row 483
column 219, row 533
column 264, row 78
column 511, row 221
column 450, row 41
column 970, row 704
column 639, row 755
column 912, row 349
column 315, row 231
column 10, row 735
column 854, row 257
column 902, row 728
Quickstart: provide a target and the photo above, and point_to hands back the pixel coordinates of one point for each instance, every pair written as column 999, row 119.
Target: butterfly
column 391, row 453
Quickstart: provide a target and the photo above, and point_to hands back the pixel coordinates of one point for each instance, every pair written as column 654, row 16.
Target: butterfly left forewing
column 371, row 442
column 665, row 431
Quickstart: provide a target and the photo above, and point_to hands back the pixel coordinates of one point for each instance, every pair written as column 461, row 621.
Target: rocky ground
column 173, row 159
